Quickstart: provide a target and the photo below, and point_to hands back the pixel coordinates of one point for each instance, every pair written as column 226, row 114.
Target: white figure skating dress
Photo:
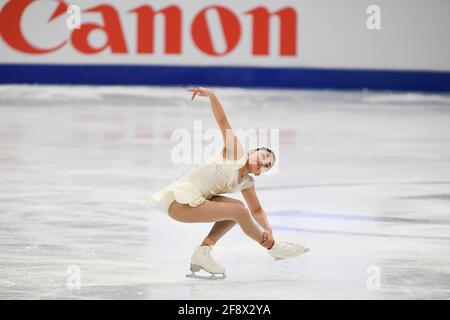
column 202, row 182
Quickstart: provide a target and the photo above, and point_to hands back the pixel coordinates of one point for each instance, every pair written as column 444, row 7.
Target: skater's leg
column 211, row 211
column 220, row 228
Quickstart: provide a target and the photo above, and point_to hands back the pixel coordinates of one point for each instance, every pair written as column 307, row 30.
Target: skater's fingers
column 267, row 244
column 204, row 90
column 267, row 239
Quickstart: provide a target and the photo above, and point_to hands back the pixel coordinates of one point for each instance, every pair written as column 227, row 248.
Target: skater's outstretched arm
column 256, row 209
column 233, row 148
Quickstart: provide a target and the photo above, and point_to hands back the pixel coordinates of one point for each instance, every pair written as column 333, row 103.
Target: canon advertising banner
column 285, row 43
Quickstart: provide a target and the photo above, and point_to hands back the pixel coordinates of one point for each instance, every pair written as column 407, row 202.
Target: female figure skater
column 194, row 197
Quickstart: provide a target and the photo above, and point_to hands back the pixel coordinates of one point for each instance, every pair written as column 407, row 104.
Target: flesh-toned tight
column 224, row 211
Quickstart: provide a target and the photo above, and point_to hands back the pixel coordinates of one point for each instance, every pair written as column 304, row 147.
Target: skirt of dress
column 181, row 191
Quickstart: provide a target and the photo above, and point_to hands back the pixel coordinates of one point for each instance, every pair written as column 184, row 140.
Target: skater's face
column 260, row 161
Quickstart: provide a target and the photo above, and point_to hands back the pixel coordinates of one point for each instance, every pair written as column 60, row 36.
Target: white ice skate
column 202, row 260
column 283, row 250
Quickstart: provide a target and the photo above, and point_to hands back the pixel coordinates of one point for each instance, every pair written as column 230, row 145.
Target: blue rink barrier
column 309, row 78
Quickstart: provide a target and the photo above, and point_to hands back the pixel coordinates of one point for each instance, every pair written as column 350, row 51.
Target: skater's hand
column 267, row 239
column 201, row 92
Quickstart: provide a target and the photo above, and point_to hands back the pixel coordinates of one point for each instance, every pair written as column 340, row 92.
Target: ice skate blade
column 210, row 277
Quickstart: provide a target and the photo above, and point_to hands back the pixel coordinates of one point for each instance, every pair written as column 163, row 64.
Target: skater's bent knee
column 241, row 213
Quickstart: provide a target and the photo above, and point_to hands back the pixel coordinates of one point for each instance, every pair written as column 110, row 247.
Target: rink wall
column 346, row 44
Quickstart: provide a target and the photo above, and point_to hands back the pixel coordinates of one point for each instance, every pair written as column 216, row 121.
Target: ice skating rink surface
column 363, row 180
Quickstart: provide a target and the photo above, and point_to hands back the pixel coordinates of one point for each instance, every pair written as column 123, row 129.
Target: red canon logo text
column 12, row 14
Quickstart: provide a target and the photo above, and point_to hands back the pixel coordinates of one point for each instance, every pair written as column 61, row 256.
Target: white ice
column 363, row 181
